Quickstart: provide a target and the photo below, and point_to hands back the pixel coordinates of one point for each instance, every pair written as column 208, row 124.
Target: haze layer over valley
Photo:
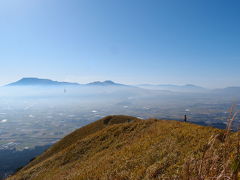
column 40, row 112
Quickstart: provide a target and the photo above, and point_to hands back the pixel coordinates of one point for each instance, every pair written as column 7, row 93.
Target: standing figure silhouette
column 185, row 118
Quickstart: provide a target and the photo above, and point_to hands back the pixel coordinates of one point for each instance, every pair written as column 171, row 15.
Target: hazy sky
column 128, row 41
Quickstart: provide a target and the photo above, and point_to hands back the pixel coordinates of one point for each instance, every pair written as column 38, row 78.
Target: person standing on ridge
column 185, row 118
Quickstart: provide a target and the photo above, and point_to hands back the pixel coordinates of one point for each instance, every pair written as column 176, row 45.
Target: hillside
column 123, row 147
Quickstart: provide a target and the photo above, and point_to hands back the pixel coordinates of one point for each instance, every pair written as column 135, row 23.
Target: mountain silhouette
column 105, row 83
column 32, row 81
column 39, row 82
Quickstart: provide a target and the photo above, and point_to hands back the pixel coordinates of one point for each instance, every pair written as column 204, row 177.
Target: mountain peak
column 104, row 83
column 109, row 82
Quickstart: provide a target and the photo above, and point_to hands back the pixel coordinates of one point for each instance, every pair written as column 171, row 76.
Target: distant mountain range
column 48, row 82
column 188, row 88
column 32, row 81
column 38, row 82
column 175, row 88
column 228, row 90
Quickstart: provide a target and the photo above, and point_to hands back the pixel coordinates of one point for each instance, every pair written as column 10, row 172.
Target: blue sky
column 128, row 41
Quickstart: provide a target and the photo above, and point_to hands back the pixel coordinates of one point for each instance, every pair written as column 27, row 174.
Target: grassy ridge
column 80, row 134
column 123, row 147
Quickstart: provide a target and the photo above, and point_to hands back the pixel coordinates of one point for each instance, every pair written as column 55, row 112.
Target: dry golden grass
column 124, row 148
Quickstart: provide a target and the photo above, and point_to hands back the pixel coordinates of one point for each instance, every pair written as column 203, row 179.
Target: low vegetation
column 124, row 148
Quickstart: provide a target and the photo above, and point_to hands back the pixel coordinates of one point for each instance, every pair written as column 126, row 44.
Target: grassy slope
column 121, row 148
